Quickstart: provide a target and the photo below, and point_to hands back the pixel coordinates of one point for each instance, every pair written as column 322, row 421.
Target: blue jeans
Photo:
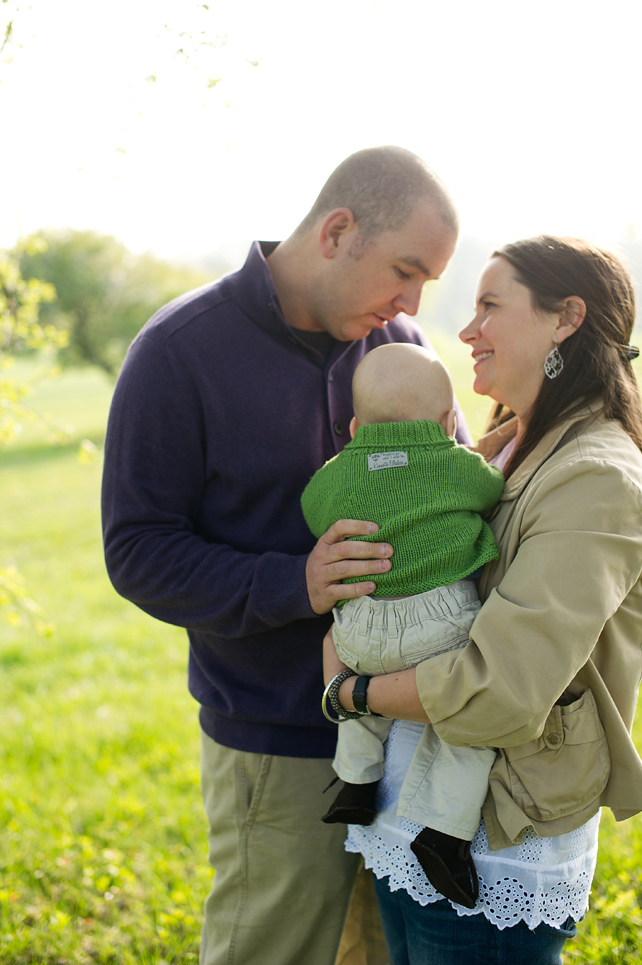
column 436, row 935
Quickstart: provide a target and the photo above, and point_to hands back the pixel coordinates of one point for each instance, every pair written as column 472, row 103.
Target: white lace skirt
column 541, row 880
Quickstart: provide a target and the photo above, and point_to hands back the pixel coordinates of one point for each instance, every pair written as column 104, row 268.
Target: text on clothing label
column 387, row 460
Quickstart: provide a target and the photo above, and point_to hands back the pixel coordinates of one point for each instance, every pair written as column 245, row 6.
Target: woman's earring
column 553, row 363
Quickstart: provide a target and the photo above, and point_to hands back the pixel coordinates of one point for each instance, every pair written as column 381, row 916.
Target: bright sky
column 530, row 112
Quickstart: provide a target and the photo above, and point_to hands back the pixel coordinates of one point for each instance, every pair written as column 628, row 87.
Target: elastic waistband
column 442, row 601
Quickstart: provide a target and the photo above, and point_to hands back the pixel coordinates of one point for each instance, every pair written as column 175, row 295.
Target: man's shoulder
column 212, row 300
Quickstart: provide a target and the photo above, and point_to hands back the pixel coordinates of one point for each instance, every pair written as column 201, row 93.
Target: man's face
column 365, row 290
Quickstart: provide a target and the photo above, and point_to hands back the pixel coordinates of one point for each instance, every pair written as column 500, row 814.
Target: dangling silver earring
column 553, row 363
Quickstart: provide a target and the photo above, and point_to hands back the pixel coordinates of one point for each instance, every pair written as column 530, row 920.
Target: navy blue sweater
column 220, row 417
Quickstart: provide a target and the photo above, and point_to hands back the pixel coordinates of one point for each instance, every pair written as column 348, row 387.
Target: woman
column 551, row 672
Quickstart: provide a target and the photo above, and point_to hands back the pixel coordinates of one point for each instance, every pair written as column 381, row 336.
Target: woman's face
column 508, row 338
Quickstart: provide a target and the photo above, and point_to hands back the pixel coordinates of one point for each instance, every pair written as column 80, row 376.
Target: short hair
column 380, row 185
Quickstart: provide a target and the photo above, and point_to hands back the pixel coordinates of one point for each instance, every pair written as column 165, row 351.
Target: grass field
column 102, row 852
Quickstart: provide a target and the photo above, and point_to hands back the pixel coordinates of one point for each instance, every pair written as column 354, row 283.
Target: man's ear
column 335, row 228
column 353, row 426
column 571, row 317
column 451, row 423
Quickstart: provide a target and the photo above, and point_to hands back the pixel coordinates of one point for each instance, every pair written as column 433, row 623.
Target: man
column 230, row 398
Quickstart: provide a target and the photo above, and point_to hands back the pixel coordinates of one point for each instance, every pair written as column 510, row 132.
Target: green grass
column 102, row 852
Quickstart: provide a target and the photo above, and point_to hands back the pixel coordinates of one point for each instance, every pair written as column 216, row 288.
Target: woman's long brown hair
column 595, row 364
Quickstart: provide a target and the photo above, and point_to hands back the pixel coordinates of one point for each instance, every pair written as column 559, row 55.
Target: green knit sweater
column 426, row 493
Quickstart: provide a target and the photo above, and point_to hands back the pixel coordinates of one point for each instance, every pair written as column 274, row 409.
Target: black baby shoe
column 448, row 865
column 354, row 804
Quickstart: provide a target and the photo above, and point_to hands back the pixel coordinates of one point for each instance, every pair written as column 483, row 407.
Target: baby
column 404, row 471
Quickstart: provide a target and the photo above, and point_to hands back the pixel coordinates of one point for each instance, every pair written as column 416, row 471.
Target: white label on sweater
column 387, row 460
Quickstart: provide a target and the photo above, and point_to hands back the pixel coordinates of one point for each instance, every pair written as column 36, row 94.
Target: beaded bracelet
column 331, row 693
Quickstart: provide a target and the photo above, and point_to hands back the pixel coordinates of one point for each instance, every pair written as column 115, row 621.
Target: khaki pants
column 445, row 786
column 283, row 880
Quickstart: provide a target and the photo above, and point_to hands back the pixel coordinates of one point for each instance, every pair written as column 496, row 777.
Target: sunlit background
column 183, row 130
column 529, row 112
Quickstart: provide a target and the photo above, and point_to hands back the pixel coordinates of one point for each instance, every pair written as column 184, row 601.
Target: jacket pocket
column 566, row 768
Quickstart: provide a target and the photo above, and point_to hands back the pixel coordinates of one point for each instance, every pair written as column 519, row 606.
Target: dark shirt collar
column 255, row 292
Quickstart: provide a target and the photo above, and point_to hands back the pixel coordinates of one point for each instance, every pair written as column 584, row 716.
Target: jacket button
column 554, row 739
column 338, row 427
column 331, row 377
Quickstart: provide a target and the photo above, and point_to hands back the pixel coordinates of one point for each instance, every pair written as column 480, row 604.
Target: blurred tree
column 104, row 293
column 21, row 331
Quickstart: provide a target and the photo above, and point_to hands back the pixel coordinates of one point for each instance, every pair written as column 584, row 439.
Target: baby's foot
column 354, row 804
column 448, row 865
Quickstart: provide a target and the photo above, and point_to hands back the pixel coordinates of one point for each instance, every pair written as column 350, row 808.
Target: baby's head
column 402, row 383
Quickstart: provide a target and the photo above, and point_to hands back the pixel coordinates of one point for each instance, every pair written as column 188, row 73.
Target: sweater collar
column 492, row 442
column 255, row 293
column 391, row 435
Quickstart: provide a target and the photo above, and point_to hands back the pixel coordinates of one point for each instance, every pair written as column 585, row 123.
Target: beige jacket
column 551, row 674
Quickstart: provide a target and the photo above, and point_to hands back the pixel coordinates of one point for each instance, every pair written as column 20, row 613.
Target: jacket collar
column 492, row 442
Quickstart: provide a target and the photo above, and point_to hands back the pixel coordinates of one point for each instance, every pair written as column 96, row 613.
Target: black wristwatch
column 359, row 697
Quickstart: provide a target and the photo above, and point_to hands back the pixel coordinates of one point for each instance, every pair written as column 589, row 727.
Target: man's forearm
column 181, row 579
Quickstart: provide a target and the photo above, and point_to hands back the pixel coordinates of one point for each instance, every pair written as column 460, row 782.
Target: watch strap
column 360, row 696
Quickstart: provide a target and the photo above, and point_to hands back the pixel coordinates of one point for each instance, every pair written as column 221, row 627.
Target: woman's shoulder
column 595, row 462
column 607, row 439
column 602, row 443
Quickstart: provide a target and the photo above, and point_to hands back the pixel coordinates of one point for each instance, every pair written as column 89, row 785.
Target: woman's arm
column 579, row 555
column 580, row 552
column 392, row 695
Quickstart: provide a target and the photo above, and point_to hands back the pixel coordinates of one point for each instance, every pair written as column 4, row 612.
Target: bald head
column 382, row 186
column 401, row 383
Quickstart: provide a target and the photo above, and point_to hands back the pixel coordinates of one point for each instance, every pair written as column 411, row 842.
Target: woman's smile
column 508, row 329
column 481, row 357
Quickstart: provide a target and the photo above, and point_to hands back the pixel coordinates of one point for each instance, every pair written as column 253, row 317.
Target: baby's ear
column 451, row 423
column 353, row 426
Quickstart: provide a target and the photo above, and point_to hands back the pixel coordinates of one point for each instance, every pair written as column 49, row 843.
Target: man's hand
column 334, row 558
